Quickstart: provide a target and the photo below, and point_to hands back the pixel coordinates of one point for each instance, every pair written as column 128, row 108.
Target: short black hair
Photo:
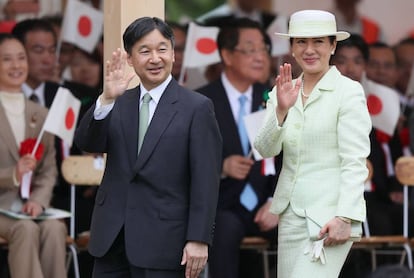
column 7, row 36
column 141, row 27
column 23, row 27
column 228, row 36
column 407, row 40
column 357, row 41
column 177, row 25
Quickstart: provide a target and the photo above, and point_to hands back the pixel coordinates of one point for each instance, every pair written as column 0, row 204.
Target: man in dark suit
column 155, row 208
column 243, row 50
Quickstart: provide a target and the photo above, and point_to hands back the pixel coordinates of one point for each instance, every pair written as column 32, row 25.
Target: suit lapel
column 325, row 86
column 225, row 118
column 129, row 109
column 258, row 100
column 163, row 115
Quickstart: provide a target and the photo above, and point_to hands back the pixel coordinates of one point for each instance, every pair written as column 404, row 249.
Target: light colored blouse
column 13, row 104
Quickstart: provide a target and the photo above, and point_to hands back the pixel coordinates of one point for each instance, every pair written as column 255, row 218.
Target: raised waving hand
column 116, row 77
column 287, row 92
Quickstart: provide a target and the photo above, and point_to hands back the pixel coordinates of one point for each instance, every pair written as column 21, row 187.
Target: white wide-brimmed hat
column 313, row 24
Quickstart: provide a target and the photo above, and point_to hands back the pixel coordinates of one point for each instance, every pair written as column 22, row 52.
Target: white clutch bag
column 317, row 217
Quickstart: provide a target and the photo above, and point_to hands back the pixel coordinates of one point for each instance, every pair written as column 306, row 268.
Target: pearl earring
column 293, row 54
column 333, row 52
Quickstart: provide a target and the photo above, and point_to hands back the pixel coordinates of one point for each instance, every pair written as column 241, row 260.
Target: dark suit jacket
column 168, row 194
column 230, row 189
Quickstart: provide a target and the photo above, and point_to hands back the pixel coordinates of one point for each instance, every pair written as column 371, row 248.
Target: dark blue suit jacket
column 230, row 189
column 168, row 194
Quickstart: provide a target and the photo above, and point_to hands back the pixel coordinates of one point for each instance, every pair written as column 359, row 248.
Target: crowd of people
column 179, row 157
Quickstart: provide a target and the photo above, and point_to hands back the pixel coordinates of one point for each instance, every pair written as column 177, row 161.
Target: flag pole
column 182, row 74
column 38, row 141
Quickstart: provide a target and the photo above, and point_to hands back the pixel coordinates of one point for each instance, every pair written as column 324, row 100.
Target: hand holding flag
column 61, row 120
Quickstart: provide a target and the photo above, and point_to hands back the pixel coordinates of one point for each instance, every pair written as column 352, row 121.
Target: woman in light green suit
column 321, row 123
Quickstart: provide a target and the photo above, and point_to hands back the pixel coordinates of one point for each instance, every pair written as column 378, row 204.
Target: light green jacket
column 325, row 145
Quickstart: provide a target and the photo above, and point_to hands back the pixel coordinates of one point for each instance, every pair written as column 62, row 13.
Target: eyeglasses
column 251, row 51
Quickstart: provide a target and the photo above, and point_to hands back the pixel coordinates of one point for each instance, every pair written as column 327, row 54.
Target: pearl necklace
column 301, row 89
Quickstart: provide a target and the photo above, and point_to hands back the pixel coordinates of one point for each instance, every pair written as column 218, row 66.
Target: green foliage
column 178, row 9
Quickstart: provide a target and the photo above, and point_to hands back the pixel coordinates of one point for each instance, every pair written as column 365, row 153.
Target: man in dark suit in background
column 243, row 49
column 155, row 208
column 39, row 40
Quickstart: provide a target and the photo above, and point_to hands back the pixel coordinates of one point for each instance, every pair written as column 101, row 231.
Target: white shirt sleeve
column 101, row 111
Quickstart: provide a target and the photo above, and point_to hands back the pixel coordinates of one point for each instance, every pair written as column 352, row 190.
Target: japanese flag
column 383, row 106
column 201, row 47
column 82, row 25
column 280, row 46
column 63, row 115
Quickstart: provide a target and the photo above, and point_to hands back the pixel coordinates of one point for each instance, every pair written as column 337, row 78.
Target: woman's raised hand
column 287, row 93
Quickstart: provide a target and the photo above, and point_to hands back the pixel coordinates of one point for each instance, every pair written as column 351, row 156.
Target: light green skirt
column 292, row 242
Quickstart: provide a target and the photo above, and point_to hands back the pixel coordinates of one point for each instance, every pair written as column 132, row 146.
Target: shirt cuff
column 101, row 111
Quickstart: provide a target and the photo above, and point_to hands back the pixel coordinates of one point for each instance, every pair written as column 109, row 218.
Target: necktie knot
column 33, row 97
column 146, row 98
column 242, row 100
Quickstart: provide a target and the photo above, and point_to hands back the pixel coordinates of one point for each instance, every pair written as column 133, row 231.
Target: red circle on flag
column 70, row 118
column 206, row 45
column 84, row 26
column 374, row 104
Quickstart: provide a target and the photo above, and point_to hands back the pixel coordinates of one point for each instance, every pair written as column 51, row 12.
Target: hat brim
column 340, row 35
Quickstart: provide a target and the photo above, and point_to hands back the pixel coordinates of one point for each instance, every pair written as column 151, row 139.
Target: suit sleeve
column 91, row 135
column 354, row 125
column 205, row 162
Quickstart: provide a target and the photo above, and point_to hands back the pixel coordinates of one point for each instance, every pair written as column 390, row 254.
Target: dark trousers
column 115, row 264
column 231, row 227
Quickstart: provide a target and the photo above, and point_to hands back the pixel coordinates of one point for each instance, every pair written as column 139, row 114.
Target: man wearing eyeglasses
column 243, row 207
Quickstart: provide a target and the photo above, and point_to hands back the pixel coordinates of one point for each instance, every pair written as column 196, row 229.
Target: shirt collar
column 232, row 93
column 157, row 92
column 28, row 91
